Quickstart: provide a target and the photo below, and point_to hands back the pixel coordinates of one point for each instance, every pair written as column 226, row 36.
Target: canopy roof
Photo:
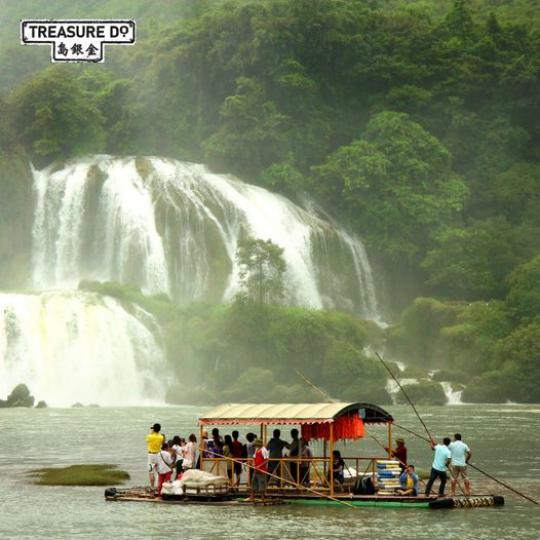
column 292, row 413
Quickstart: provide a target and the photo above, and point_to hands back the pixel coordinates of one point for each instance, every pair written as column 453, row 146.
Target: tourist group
column 288, row 463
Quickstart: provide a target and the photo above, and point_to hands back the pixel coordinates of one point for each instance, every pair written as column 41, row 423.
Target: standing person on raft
column 260, row 470
column 461, row 454
column 165, row 466
column 441, row 460
column 154, row 441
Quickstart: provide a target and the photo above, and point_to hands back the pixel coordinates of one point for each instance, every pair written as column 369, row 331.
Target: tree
column 261, row 269
column 54, row 118
column 520, row 353
column 524, row 295
column 472, row 263
column 397, row 185
column 251, row 134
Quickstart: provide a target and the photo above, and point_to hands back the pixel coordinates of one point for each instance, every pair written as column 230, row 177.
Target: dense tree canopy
column 414, row 124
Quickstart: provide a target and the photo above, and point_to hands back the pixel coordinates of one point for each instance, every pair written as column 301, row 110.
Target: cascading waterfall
column 174, row 227
column 165, row 226
column 72, row 347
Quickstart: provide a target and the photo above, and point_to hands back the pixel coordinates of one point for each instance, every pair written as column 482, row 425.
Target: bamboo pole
column 405, row 394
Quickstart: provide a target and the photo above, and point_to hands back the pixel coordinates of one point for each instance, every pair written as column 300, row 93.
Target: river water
column 504, row 440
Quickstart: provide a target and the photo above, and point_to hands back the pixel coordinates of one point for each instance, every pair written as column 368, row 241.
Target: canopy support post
column 389, row 440
column 325, row 453
column 201, row 447
column 331, row 459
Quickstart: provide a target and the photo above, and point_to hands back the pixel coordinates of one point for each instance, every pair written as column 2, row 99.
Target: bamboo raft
column 202, row 497
column 233, row 498
column 300, row 480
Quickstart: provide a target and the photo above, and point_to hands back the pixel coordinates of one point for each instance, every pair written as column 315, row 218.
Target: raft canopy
column 318, row 420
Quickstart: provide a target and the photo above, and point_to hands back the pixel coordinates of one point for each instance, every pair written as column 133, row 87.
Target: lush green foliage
column 414, row 125
column 55, row 117
column 493, row 347
column 248, row 350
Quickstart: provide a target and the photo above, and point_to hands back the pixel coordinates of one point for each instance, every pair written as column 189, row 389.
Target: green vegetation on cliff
column 496, row 343
column 252, row 351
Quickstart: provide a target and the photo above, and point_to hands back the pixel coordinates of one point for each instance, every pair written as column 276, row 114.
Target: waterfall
column 453, row 397
column 174, row 227
column 72, row 347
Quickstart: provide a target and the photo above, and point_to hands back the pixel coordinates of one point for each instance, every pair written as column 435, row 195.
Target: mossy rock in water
column 80, row 475
column 19, row 397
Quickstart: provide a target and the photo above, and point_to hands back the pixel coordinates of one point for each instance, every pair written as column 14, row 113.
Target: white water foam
column 174, row 227
column 453, row 397
column 70, row 347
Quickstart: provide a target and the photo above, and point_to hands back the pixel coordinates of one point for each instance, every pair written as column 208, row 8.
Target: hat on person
column 258, row 442
column 400, row 439
column 205, row 434
column 156, row 427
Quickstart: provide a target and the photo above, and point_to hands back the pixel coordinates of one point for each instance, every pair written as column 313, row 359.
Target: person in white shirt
column 178, row 447
column 165, row 463
column 190, row 453
column 461, row 454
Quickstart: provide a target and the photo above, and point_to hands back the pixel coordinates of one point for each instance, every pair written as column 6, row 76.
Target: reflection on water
column 504, row 442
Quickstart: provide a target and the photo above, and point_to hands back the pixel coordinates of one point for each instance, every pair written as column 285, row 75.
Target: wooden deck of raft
column 239, row 499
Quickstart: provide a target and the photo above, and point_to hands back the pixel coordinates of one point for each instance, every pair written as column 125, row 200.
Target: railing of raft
column 296, row 472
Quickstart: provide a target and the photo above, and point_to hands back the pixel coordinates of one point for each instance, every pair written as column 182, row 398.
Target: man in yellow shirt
column 154, row 440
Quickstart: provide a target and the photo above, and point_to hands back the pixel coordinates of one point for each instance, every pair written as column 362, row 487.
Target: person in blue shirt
column 461, row 454
column 409, row 482
column 441, row 460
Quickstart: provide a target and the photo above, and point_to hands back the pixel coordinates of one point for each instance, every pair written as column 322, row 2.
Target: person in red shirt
column 260, row 470
column 237, row 452
column 400, row 453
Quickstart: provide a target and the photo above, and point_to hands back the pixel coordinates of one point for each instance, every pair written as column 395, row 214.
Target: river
column 504, row 439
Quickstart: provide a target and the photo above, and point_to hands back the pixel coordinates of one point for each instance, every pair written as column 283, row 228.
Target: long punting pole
column 431, row 440
column 474, row 467
column 318, row 493
column 406, row 395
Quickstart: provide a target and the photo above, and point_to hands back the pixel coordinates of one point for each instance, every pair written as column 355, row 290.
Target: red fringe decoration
column 345, row 427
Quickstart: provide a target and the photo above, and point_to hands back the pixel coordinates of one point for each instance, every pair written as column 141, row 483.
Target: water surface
column 504, row 440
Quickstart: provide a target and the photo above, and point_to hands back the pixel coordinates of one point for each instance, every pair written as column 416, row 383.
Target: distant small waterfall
column 453, row 397
column 72, row 347
column 174, row 227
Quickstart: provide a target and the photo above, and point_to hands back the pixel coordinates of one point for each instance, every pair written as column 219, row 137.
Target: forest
column 414, row 124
